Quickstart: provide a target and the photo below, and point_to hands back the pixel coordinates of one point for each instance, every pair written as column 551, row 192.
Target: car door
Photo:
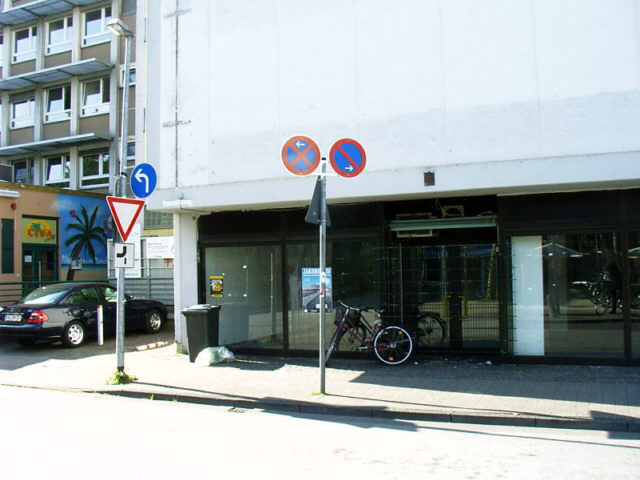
column 109, row 302
column 82, row 305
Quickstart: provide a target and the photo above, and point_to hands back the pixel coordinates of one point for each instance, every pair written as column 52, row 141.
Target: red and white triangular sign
column 125, row 212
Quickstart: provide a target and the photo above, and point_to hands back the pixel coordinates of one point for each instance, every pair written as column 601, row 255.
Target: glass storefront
column 354, row 281
column 567, row 295
column 246, row 281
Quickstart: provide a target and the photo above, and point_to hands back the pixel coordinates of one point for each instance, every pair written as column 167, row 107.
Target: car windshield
column 45, row 295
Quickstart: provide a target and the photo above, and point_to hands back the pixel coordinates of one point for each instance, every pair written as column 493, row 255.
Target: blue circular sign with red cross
column 300, row 155
column 347, row 157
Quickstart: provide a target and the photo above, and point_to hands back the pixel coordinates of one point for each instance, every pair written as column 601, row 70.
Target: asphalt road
column 52, row 434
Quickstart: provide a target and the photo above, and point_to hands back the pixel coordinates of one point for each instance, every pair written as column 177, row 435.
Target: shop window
column 95, row 26
column 7, row 246
column 59, row 35
column 58, row 104
column 23, row 113
column 24, row 44
column 567, row 295
column 57, row 171
column 95, row 97
column 246, row 281
column 95, row 169
column 354, row 280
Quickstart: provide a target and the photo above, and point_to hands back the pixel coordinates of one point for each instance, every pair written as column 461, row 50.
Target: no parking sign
column 347, row 157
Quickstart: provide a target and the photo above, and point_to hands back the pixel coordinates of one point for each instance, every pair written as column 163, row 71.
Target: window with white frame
column 59, row 35
column 22, row 112
column 57, row 171
column 131, row 158
column 58, row 106
column 24, row 44
column 95, row 169
column 132, row 76
column 95, row 26
column 1, row 50
column 95, row 97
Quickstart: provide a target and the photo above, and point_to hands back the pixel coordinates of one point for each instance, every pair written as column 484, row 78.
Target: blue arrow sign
column 143, row 180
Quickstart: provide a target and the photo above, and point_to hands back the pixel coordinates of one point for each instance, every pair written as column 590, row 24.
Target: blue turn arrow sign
column 143, row 180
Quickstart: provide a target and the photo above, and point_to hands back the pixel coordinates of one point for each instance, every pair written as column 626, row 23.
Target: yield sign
column 125, row 212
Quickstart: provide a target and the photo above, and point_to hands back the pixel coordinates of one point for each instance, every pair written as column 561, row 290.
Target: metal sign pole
column 123, row 193
column 323, row 267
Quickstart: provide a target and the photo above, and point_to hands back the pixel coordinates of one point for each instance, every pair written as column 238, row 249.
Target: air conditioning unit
column 6, row 173
column 453, row 211
column 425, row 233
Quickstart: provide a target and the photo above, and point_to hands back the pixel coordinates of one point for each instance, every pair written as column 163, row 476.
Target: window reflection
column 581, row 290
column 246, row 282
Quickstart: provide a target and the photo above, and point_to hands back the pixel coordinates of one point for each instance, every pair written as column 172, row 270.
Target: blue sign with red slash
column 300, row 155
column 347, row 157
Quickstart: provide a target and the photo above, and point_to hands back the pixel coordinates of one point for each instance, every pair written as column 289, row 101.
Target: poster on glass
column 311, row 290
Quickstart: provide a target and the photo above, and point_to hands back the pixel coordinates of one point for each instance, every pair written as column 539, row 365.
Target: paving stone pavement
column 426, row 388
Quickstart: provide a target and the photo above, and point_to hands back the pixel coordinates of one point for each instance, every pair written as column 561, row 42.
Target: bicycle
column 431, row 329
column 391, row 344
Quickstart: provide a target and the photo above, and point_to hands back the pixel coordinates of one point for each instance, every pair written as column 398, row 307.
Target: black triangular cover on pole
column 313, row 214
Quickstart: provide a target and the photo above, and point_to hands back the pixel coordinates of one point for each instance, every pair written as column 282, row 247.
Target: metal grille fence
column 458, row 283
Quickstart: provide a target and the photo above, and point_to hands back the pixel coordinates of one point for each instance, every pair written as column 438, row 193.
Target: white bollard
column 100, row 326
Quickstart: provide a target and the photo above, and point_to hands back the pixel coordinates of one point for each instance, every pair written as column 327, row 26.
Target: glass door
column 39, row 265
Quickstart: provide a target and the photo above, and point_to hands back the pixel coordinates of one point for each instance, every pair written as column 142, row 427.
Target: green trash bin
column 203, row 322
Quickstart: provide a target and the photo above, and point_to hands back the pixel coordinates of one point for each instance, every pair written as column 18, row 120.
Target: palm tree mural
column 85, row 233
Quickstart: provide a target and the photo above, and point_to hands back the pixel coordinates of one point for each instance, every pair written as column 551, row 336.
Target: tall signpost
column 125, row 212
column 301, row 156
column 119, row 28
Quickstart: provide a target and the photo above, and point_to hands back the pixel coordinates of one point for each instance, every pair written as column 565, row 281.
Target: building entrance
column 39, row 264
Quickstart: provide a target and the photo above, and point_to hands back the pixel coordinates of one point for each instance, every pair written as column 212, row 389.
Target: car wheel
column 154, row 321
column 73, row 335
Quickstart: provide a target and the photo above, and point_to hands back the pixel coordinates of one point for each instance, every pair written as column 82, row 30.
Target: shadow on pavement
column 14, row 356
column 297, row 408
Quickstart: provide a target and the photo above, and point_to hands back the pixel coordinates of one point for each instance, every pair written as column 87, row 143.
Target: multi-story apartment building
column 60, row 85
column 501, row 179
column 61, row 77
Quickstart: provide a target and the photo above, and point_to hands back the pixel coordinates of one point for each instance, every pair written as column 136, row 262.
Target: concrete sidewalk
column 437, row 389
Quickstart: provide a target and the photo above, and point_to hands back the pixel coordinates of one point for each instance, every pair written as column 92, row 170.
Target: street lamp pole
column 118, row 27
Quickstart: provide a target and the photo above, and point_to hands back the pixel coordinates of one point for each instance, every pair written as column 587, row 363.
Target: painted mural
column 84, row 229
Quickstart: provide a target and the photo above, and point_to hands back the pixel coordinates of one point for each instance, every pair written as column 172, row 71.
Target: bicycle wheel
column 392, row 345
column 430, row 330
column 602, row 302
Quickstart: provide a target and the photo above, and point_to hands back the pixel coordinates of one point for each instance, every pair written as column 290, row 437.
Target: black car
column 68, row 312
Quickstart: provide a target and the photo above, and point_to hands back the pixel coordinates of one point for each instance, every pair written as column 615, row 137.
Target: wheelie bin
column 203, row 322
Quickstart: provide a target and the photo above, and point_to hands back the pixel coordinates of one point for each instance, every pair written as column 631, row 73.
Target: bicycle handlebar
column 361, row 309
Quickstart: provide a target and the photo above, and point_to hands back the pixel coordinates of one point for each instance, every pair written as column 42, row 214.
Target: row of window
column 59, row 35
column 57, row 103
column 93, row 170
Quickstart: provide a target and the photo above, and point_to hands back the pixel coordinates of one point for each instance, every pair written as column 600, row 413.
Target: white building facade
column 502, row 165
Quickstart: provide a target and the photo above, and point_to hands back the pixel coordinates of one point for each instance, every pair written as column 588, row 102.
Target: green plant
column 120, row 378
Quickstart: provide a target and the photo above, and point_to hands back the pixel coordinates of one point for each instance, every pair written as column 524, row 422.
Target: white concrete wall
column 496, row 96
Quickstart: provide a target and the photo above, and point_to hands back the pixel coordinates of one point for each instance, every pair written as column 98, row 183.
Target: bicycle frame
column 357, row 326
column 391, row 344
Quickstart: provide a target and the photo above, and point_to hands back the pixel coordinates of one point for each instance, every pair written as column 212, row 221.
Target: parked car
column 68, row 312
